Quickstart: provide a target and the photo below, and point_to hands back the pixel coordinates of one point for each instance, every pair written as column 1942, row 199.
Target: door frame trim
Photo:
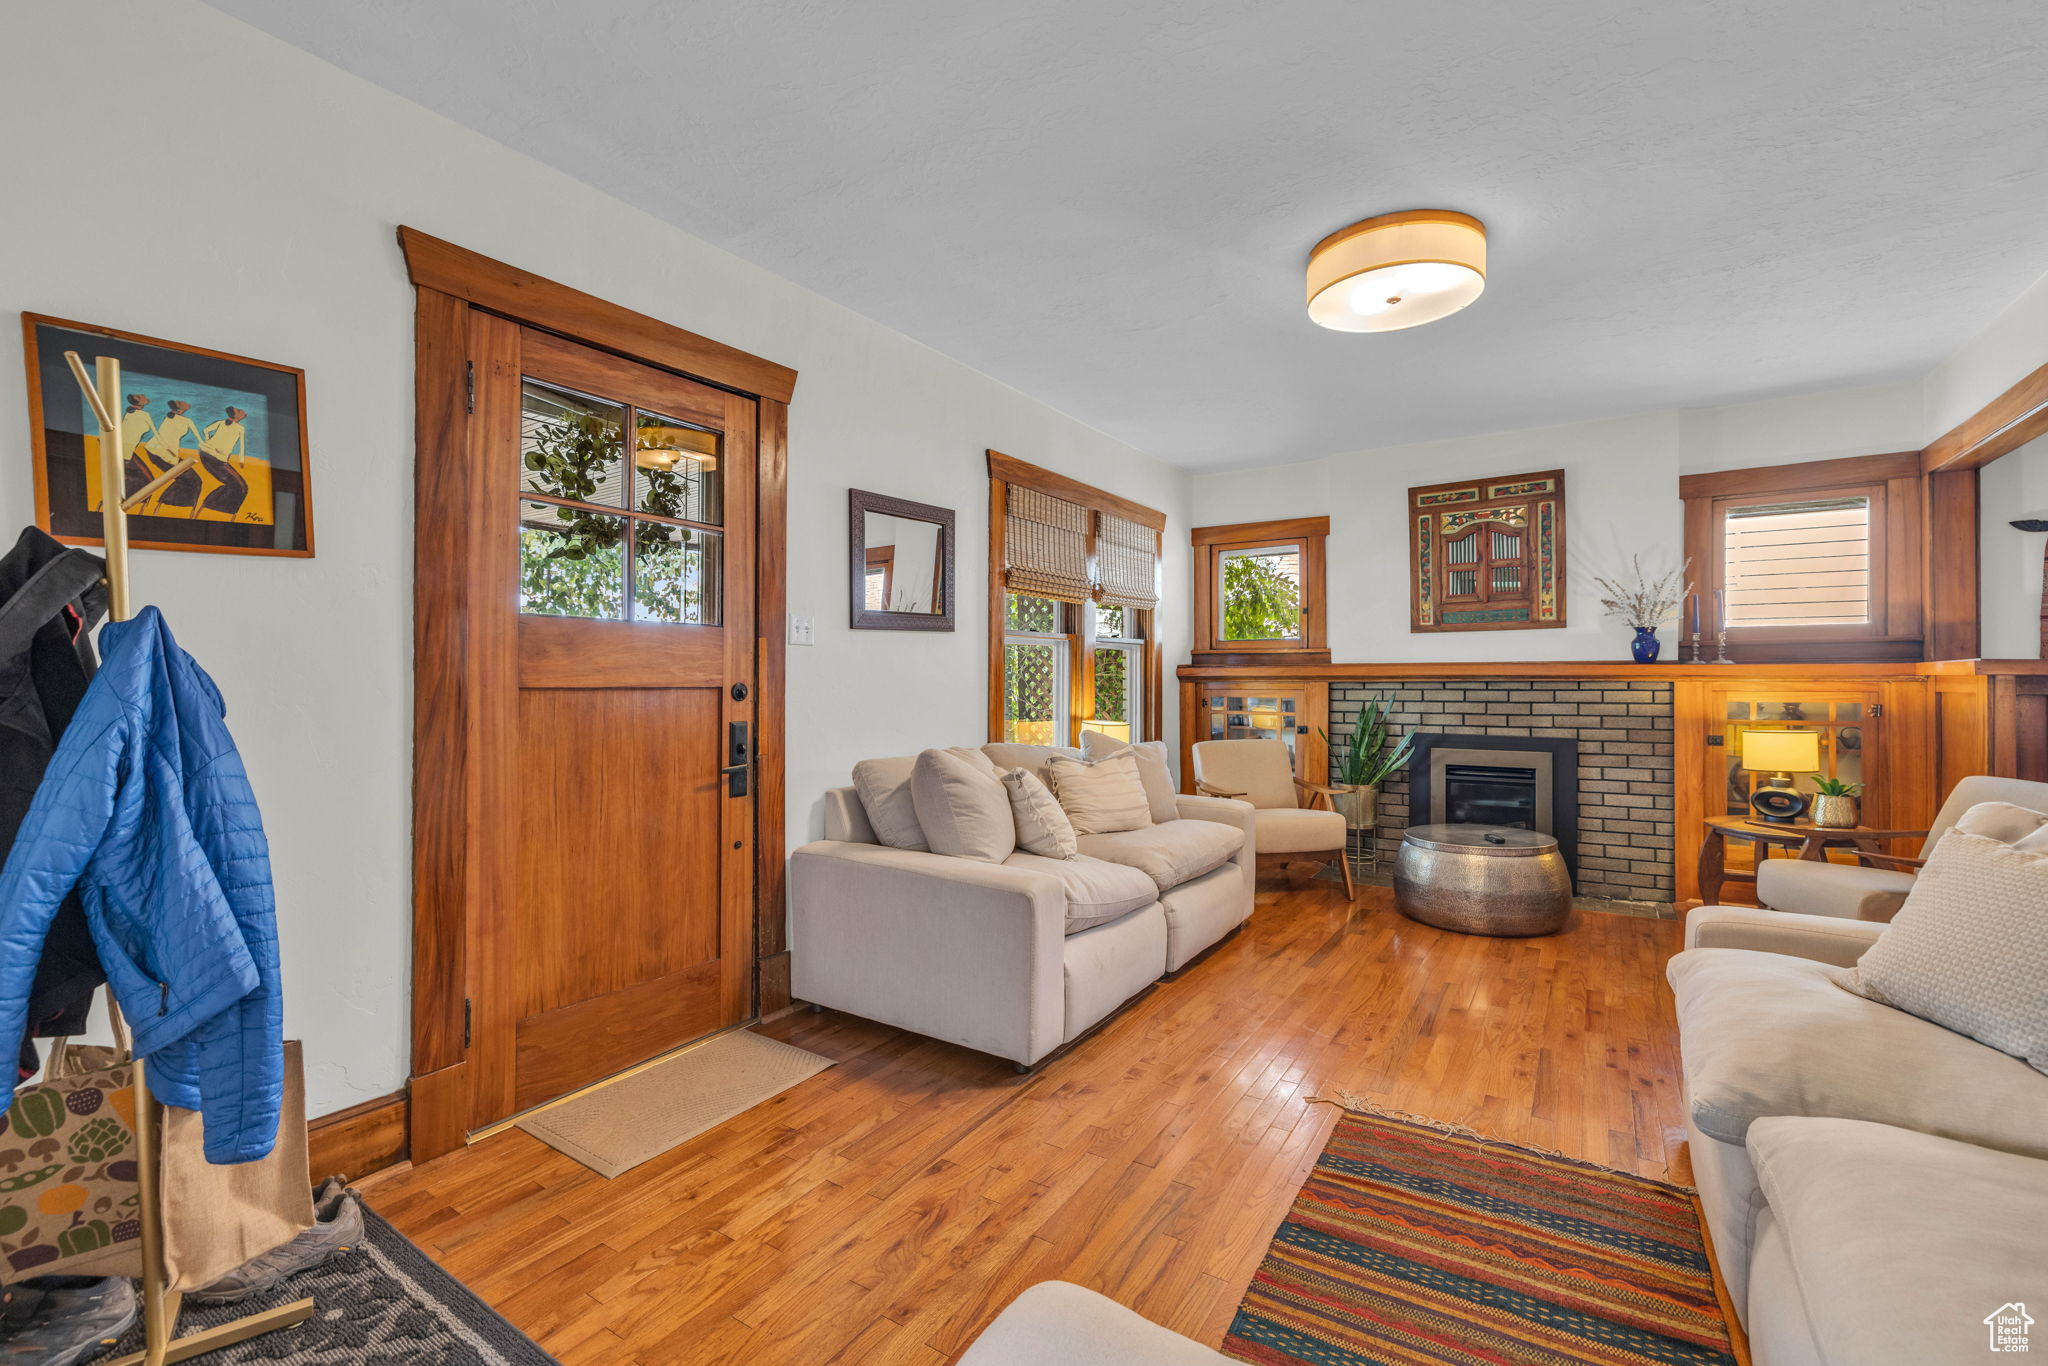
column 453, row 870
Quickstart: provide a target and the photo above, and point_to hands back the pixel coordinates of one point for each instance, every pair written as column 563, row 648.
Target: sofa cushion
column 1764, row 1034
column 1902, row 1244
column 1169, row 854
column 1201, row 911
column 1042, row 827
column 1097, row 891
column 1969, row 949
column 1154, row 769
column 1297, row 830
column 1811, row 887
column 963, row 809
column 884, row 789
column 1103, row 797
column 1031, row 758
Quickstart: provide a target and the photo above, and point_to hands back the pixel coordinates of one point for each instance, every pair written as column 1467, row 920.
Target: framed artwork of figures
column 1487, row 554
column 213, row 446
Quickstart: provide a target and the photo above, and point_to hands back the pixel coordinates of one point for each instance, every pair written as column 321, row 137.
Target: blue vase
column 1646, row 645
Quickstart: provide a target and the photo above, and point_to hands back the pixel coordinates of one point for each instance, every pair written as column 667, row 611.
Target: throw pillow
column 2004, row 822
column 883, row 786
column 961, row 806
column 1042, row 828
column 1969, row 949
column 1153, row 770
column 1100, row 798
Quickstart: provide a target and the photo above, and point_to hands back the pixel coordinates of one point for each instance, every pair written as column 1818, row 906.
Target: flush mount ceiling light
column 1397, row 270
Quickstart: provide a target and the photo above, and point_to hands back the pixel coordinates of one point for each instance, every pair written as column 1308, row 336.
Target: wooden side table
column 1812, row 841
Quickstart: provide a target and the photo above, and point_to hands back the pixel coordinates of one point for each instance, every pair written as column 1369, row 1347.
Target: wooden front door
column 619, row 566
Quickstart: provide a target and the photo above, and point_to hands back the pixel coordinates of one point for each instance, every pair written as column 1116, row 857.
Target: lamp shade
column 1781, row 751
column 1397, row 270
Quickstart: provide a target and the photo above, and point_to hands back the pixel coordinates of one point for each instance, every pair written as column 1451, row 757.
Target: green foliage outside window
column 1031, row 614
column 1259, row 602
column 576, row 569
column 1112, row 685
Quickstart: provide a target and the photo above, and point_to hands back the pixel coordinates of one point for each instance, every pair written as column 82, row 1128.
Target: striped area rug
column 1415, row 1246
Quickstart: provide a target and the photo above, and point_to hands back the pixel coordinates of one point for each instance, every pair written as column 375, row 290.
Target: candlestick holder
column 1721, row 647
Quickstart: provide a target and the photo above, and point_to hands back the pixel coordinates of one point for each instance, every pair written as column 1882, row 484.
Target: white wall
column 1621, row 479
column 1868, row 420
column 2016, row 485
column 2012, row 487
column 254, row 213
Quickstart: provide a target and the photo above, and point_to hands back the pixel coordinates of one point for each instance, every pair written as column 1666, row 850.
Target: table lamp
column 1783, row 753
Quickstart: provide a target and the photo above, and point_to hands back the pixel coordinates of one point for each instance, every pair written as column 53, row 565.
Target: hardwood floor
column 886, row 1209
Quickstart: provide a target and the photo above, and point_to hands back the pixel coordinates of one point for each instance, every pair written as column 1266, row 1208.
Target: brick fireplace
column 1623, row 746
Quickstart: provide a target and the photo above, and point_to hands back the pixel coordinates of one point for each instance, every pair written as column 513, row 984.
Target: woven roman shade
column 1127, row 563
column 1045, row 547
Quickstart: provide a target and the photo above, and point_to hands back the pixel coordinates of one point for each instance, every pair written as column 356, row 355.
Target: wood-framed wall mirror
column 901, row 563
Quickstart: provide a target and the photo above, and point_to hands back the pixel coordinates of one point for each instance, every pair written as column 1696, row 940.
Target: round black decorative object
column 1778, row 805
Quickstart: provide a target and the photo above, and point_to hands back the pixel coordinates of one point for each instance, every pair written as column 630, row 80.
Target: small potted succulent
column 1834, row 803
column 1366, row 764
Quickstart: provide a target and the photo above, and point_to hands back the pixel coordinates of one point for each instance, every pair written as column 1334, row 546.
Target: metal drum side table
column 1483, row 879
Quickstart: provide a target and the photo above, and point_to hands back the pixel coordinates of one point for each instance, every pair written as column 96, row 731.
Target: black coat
column 50, row 599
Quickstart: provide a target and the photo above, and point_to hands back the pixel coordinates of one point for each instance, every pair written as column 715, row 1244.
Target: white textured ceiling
column 1108, row 203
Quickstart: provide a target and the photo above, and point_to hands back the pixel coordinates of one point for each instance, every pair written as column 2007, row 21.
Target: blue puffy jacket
column 147, row 810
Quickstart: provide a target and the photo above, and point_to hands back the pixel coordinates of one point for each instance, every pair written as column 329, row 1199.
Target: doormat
column 381, row 1301
column 616, row 1127
column 1413, row 1243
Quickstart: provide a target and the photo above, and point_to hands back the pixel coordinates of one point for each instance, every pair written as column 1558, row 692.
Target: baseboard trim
column 360, row 1140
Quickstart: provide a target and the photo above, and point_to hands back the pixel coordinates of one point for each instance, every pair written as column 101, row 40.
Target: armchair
column 1284, row 828
column 1875, row 886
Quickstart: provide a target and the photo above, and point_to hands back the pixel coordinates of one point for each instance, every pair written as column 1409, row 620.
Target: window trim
column 1897, row 556
column 1004, row 471
column 1211, row 544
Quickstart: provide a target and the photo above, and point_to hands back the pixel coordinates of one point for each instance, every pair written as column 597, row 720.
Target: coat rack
column 160, row 1303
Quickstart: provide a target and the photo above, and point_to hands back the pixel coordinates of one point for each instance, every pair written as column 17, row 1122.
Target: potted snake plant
column 1834, row 803
column 1367, row 763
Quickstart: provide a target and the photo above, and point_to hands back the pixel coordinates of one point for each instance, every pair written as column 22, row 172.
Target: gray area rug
column 381, row 1303
column 623, row 1123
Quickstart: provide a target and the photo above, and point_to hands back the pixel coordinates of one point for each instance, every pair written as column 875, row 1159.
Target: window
column 1808, row 562
column 1802, row 563
column 1036, row 647
column 1259, row 587
column 1074, row 575
column 601, row 538
column 1119, row 672
column 1487, row 554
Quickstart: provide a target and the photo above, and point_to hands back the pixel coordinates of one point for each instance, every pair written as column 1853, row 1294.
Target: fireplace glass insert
column 1482, row 794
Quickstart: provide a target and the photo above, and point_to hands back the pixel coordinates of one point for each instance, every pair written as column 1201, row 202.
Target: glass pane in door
column 675, row 470
column 572, row 562
column 571, row 445
column 678, row 574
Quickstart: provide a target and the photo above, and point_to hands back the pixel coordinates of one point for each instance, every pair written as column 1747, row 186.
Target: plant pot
column 1645, row 646
column 1359, row 806
column 1833, row 813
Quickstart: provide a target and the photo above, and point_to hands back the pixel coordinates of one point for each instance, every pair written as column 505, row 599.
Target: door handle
column 739, row 760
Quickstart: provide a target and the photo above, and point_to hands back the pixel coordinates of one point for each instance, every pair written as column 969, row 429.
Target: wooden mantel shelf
column 1649, row 673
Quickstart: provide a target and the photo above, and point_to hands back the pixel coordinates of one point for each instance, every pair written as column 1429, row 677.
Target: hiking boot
column 59, row 1320
column 337, row 1227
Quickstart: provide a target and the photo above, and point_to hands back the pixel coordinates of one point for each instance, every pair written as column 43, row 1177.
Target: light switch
column 802, row 630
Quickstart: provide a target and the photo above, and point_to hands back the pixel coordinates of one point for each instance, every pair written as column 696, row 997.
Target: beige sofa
column 1016, row 958
column 1867, row 1177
